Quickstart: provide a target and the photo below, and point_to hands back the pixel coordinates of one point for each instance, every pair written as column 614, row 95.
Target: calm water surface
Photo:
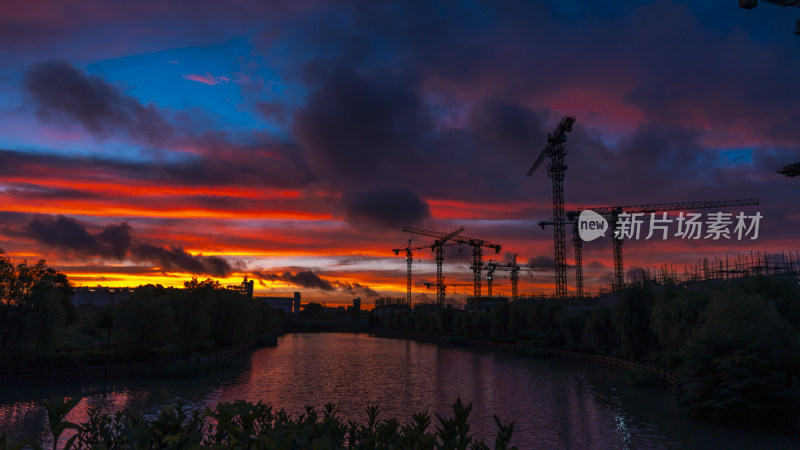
column 557, row 405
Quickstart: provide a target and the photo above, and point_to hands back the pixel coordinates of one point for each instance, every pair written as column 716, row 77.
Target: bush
column 242, row 424
column 740, row 368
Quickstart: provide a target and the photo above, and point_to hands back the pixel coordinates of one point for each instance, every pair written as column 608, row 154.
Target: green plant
column 246, row 425
column 57, row 410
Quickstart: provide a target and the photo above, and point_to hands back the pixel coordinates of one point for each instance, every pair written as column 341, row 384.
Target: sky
column 289, row 142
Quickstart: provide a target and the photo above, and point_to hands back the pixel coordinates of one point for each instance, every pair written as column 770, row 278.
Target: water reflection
column 555, row 404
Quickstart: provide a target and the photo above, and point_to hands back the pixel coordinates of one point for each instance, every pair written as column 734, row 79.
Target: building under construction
column 708, row 269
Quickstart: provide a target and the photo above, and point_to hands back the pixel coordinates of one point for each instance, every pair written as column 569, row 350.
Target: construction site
column 618, row 219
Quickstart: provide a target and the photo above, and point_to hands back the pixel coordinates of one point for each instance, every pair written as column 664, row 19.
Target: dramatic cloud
column 67, row 233
column 506, row 127
column 177, row 259
column 306, row 279
column 65, row 94
column 356, row 289
column 115, row 241
column 379, row 128
column 354, row 128
column 387, row 208
column 310, row 280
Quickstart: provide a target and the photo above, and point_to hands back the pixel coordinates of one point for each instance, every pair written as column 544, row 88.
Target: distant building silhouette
column 385, row 305
column 100, row 296
column 245, row 288
column 288, row 304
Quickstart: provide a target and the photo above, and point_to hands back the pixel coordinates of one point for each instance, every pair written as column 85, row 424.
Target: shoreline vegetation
column 242, row 424
column 634, row 374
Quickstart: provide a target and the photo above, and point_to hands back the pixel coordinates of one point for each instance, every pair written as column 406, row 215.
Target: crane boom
column 538, row 162
column 433, row 234
column 438, row 248
column 674, row 206
column 477, row 253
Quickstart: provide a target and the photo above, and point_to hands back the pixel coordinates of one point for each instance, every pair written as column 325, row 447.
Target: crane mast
column 491, row 266
column 555, row 169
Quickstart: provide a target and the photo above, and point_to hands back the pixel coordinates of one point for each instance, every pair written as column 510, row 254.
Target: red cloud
column 208, row 79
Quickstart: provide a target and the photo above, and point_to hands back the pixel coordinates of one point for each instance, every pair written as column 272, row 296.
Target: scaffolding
column 708, row 269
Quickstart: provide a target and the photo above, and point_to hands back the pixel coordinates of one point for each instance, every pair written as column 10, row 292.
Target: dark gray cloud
column 356, row 289
column 305, row 278
column 377, row 128
column 385, row 208
column 506, row 127
column 67, row 233
column 250, row 165
column 354, row 128
column 541, row 260
column 115, row 241
column 176, row 258
column 309, row 279
column 67, row 95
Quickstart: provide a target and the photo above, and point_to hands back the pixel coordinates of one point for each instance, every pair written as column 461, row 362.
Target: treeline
column 34, row 308
column 241, row 424
column 40, row 327
column 202, row 317
column 735, row 344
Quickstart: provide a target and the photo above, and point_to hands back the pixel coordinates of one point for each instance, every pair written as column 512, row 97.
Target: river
column 556, row 404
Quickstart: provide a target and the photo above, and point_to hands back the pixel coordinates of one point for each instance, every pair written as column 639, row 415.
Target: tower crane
column 438, row 248
column 555, row 169
column 409, row 258
column 614, row 211
column 477, row 255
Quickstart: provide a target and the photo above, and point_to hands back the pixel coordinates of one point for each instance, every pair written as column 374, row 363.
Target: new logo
column 591, row 225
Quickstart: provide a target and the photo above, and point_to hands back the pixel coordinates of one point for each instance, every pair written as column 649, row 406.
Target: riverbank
column 164, row 369
column 665, row 378
column 102, row 373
